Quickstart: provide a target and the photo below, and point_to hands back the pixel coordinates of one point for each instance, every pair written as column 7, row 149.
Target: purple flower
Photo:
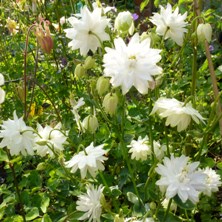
column 211, row 48
column 135, row 16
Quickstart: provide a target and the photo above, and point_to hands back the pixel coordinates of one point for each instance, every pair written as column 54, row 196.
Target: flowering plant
column 116, row 116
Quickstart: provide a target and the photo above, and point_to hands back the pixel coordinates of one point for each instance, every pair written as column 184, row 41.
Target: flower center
column 183, row 176
column 132, row 61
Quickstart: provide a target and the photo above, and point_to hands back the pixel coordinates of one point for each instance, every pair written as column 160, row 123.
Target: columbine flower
column 88, row 29
column 213, row 181
column 178, row 177
column 90, row 204
column 159, row 150
column 204, row 32
column 176, row 113
column 2, row 92
column 49, row 139
column 139, row 148
column 170, row 24
column 132, row 65
column 17, row 137
column 91, row 159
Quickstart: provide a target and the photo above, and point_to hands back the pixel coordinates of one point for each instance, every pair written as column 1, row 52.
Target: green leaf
column 132, row 198
column 188, row 205
column 3, row 156
column 46, row 218
column 44, row 203
column 32, row 214
column 219, row 165
column 144, row 4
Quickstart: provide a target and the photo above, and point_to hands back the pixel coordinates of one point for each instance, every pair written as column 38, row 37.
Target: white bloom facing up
column 2, row 92
column 140, row 148
column 170, row 24
column 88, row 29
column 49, row 139
column 90, row 203
column 213, row 181
column 17, row 137
column 90, row 160
column 131, row 65
column 176, row 113
column 179, row 177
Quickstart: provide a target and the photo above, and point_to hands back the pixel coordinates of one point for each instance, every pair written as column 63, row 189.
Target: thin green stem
column 168, row 209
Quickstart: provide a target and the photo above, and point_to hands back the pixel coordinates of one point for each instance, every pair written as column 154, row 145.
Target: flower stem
column 168, row 209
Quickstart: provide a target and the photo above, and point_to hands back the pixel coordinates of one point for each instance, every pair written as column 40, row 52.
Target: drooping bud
column 80, row 71
column 124, row 23
column 43, row 36
column 204, row 32
column 102, row 85
column 90, row 123
column 89, row 62
column 110, row 103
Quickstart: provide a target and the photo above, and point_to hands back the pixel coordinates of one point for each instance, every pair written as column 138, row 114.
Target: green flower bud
column 80, row 71
column 152, row 205
column 89, row 62
column 90, row 123
column 118, row 218
column 102, row 85
column 124, row 22
column 110, row 103
column 204, row 32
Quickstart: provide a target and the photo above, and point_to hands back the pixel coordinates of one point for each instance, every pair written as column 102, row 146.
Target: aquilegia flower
column 90, row 160
column 179, row 177
column 176, row 113
column 90, row 204
column 49, row 139
column 170, row 24
column 17, row 137
column 2, row 92
column 132, row 65
column 88, row 30
column 140, row 148
column 213, row 181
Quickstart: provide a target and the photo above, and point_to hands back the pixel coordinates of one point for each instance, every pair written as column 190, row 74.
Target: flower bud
column 44, row 37
column 90, row 123
column 79, row 71
column 102, row 85
column 204, row 32
column 110, row 103
column 89, row 62
column 117, row 218
column 124, row 22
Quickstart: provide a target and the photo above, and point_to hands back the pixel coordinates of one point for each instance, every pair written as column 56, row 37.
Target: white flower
column 176, row 113
column 212, row 182
column 91, row 159
column 173, row 206
column 139, row 148
column 2, row 92
column 178, row 177
column 132, row 65
column 159, row 150
column 88, row 29
column 17, row 137
column 90, row 204
column 49, row 139
column 170, row 24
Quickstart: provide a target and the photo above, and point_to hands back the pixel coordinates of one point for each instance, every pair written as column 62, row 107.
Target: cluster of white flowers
column 176, row 113
column 89, row 160
column 179, row 177
column 20, row 138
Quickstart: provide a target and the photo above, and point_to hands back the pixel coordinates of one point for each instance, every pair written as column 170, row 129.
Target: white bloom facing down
column 49, row 139
column 179, row 177
column 176, row 113
column 17, row 137
column 90, row 160
column 170, row 24
column 213, row 181
column 2, row 92
column 90, row 204
column 88, row 29
column 140, row 148
column 131, row 65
